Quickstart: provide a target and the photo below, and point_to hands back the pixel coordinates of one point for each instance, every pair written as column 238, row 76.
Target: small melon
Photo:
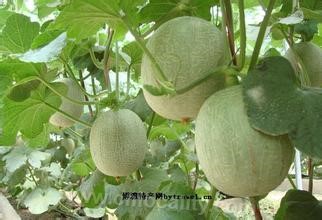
column 187, row 49
column 237, row 159
column 311, row 56
column 75, row 110
column 68, row 144
column 118, row 142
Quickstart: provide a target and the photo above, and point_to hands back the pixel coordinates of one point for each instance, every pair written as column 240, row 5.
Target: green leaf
column 176, row 208
column 135, row 52
column 39, row 200
column 43, row 139
column 298, row 205
column 45, row 38
column 161, row 10
column 92, row 15
column 14, row 70
column 29, row 116
column 22, row 92
column 47, row 53
column 4, row 14
column 311, row 4
column 276, row 105
column 19, row 156
column 313, row 15
column 139, row 106
column 18, row 34
column 218, row 214
column 92, row 189
column 46, row 7
column 295, row 18
column 307, row 29
column 94, row 212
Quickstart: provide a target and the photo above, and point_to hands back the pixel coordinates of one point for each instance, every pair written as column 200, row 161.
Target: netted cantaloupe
column 237, row 159
column 73, row 109
column 118, row 142
column 311, row 56
column 187, row 49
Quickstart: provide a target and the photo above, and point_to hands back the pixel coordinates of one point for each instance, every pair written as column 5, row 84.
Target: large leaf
column 92, row 15
column 39, row 200
column 47, row 53
column 161, row 10
column 311, row 4
column 19, row 156
column 299, row 205
column 276, row 105
column 18, row 34
column 29, row 116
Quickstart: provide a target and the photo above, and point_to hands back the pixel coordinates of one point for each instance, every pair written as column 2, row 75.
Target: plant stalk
column 106, row 58
column 117, row 79
column 256, row 209
column 230, row 29
column 242, row 28
column 150, row 125
column 68, row 115
column 161, row 77
column 291, row 181
column 310, row 174
column 85, row 96
column 261, row 35
column 211, row 202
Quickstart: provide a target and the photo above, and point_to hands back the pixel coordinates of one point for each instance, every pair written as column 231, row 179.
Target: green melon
column 311, row 56
column 118, row 142
column 186, row 48
column 68, row 144
column 237, row 159
column 75, row 110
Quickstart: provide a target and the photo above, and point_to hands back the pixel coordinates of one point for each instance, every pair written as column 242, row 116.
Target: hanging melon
column 187, row 49
column 237, row 159
column 311, row 56
column 118, row 142
column 75, row 110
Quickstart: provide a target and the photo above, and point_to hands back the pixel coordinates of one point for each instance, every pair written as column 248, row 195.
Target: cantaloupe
column 237, row 159
column 186, row 48
column 73, row 109
column 311, row 56
column 118, row 142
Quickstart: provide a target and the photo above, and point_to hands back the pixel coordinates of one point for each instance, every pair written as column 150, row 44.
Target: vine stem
column 31, row 78
column 291, row 181
column 230, row 28
column 242, row 28
column 32, row 175
column 256, row 209
column 106, row 59
column 161, row 77
column 310, row 174
column 68, row 115
column 70, row 73
column 128, row 78
column 211, row 202
column 117, row 79
column 150, row 125
column 94, row 60
column 86, row 97
column 261, row 35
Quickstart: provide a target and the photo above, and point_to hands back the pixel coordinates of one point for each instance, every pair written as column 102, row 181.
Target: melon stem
column 261, row 35
column 256, row 209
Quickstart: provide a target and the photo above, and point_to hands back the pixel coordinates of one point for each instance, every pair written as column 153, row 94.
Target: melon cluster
column 237, row 159
column 187, row 49
column 75, row 110
column 118, row 142
column 311, row 56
